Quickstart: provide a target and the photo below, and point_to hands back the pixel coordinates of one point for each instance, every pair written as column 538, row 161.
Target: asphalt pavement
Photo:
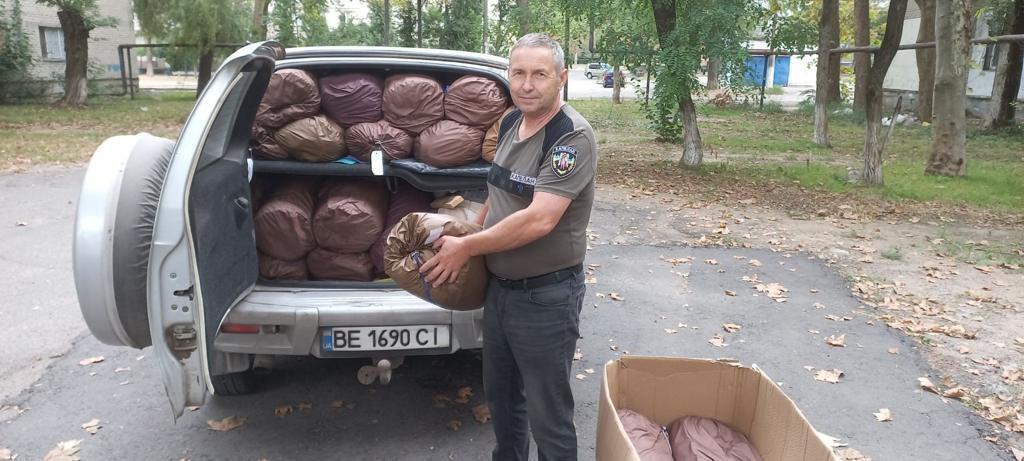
column 327, row 414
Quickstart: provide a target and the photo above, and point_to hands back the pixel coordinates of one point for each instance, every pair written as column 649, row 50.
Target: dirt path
column 956, row 288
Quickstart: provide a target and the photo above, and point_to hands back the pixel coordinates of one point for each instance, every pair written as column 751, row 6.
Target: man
column 541, row 190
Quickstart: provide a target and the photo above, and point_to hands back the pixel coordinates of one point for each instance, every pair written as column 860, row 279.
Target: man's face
column 535, row 81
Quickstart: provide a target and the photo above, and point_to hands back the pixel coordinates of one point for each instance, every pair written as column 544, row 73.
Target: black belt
column 540, row 280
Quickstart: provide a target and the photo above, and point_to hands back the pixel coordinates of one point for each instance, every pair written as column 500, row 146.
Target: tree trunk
column 523, row 8
column 925, row 61
column 873, row 97
column 714, row 68
column 76, row 59
column 149, row 59
column 419, row 23
column 861, row 61
column 693, row 148
column 829, row 9
column 1002, row 109
column 486, row 26
column 205, row 69
column 834, row 95
column 954, row 26
column 259, row 12
column 387, row 22
column 590, row 36
column 616, row 86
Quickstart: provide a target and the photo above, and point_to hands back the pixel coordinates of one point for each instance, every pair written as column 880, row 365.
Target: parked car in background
column 608, row 82
column 597, row 68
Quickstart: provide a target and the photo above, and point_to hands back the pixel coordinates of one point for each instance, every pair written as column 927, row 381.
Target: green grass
column 45, row 134
column 893, row 254
column 774, row 90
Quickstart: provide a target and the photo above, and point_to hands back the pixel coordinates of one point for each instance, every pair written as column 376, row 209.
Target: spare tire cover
column 279, row 269
column 364, row 138
column 351, row 214
column 284, row 224
column 449, row 144
column 474, row 101
column 352, row 98
column 325, row 264
column 291, row 94
column 413, row 102
column 409, row 247
column 313, row 139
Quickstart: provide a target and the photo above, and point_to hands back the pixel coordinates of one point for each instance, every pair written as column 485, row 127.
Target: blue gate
column 754, row 74
column 781, row 74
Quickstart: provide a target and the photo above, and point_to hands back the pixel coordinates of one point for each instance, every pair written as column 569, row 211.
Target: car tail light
column 239, row 328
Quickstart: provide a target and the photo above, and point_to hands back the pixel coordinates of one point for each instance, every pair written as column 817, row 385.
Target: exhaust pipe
column 262, row 364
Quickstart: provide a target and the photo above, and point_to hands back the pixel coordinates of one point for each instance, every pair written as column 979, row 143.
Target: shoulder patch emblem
column 563, row 160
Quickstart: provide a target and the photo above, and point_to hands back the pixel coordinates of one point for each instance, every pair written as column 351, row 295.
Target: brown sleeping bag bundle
column 284, row 222
column 364, row 138
column 404, row 200
column 648, row 437
column 474, row 101
column 266, row 146
column 490, row 147
column 352, row 98
column 694, row 438
column 291, row 94
column 448, row 144
column 325, row 264
column 409, row 246
column 278, row 269
column 312, row 139
column 413, row 102
column 351, row 214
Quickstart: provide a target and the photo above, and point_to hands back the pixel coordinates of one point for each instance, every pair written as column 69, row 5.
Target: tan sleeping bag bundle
column 284, row 223
column 490, row 147
column 409, row 246
column 449, row 144
column 312, row 139
column 352, row 98
column 364, row 138
column 694, row 438
column 291, row 94
column 405, row 199
column 278, row 269
column 351, row 214
column 266, row 146
column 413, row 102
column 325, row 264
column 474, row 101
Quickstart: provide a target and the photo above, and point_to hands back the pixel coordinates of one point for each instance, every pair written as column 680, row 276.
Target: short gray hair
column 538, row 40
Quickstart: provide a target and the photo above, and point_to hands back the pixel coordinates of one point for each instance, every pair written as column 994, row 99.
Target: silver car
column 165, row 255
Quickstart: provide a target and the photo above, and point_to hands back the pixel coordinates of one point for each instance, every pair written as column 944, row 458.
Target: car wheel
column 234, row 383
column 589, row 75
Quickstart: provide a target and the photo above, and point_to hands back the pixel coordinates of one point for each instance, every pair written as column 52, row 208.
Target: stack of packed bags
column 690, row 438
column 308, row 119
column 335, row 229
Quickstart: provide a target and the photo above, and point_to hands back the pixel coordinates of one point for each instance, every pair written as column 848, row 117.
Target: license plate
column 385, row 338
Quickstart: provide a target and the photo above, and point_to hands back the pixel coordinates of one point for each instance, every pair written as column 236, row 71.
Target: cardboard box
column 666, row 388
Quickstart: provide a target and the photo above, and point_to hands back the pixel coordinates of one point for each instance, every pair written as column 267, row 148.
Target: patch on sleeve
column 563, row 160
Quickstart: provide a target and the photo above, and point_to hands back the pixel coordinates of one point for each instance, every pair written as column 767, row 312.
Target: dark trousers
column 529, row 340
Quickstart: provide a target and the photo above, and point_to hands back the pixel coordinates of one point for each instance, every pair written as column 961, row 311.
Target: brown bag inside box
column 409, row 246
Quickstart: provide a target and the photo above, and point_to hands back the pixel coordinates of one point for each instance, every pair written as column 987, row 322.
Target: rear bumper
column 290, row 321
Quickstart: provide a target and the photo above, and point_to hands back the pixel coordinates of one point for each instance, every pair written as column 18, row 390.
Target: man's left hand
column 452, row 254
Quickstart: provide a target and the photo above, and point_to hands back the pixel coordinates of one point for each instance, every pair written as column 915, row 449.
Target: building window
column 991, row 59
column 51, row 40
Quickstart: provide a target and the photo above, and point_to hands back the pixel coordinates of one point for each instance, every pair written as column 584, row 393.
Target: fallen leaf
column 731, row 327
column 837, row 341
column 192, row 408
column 730, row 293
column 829, row 376
column 122, row 369
column 615, row 297
column 755, row 263
column 985, row 269
column 454, row 425
column 1018, row 455
column 964, row 350
column 578, row 355
column 927, row 385
column 65, row 451
column 6, row 454
column 613, row 347
column 226, row 424
column 849, row 454
column 599, row 295
column 589, row 371
column 893, row 350
column 464, row 394
column 283, row 410
column 671, row 331
column 337, row 404
column 883, row 415
column 717, row 340
column 819, row 306
column 305, row 406
column 482, row 413
column 92, row 426
column 581, row 376
column 955, row 393
column 91, row 360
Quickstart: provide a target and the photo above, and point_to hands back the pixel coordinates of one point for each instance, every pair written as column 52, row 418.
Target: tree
column 15, row 55
column 714, row 69
column 463, row 22
column 829, row 9
column 688, row 32
column 834, row 94
column 505, row 29
column 954, row 26
column 861, row 61
column 260, row 9
column 285, row 18
column 523, row 13
column 627, row 40
column 195, row 22
column 873, row 145
column 407, row 14
column 77, row 18
column 925, row 60
column 1009, row 20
